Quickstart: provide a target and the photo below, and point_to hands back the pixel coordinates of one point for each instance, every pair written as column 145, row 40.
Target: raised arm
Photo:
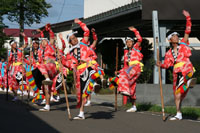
column 63, row 42
column 51, row 33
column 85, row 29
column 137, row 34
column 188, row 25
column 95, row 39
column 41, row 33
column 25, row 40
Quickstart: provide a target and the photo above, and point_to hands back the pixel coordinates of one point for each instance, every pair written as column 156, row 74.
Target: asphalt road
column 100, row 118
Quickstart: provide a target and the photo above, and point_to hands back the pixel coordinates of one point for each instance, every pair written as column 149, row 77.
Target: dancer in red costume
column 178, row 58
column 15, row 63
column 81, row 59
column 132, row 68
column 47, row 66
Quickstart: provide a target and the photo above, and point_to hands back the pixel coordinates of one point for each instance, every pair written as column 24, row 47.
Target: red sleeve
column 85, row 29
column 139, row 39
column 94, row 35
column 63, row 43
column 51, row 34
column 67, row 61
column 188, row 25
column 137, row 46
column 42, row 34
column 168, row 60
column 138, row 36
column 26, row 39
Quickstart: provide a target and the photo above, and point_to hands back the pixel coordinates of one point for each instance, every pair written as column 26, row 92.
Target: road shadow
column 105, row 104
column 16, row 118
column 101, row 115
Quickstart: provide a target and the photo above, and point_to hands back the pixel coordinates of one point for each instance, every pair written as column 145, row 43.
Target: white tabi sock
column 81, row 114
column 47, row 106
column 47, row 79
column 88, row 102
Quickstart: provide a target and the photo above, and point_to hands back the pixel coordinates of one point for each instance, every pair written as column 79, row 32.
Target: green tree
column 27, row 12
column 4, row 9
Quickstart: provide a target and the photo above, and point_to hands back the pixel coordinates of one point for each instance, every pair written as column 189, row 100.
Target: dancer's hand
column 186, row 13
column 77, row 21
column 60, row 36
column 22, row 33
column 131, row 28
column 116, row 72
column 92, row 30
column 38, row 30
column 48, row 27
column 158, row 63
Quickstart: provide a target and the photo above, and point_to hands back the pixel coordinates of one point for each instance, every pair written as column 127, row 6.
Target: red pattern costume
column 15, row 63
column 182, row 65
column 72, row 61
column 132, row 68
column 47, row 58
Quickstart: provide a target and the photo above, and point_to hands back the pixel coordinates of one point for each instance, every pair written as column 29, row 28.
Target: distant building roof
column 16, row 32
column 115, row 22
column 61, row 26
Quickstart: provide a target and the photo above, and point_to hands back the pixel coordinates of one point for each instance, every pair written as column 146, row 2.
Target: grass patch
column 188, row 112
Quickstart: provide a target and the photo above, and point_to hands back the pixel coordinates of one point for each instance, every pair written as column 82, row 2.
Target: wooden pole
column 116, row 70
column 160, row 79
column 63, row 82
column 22, row 74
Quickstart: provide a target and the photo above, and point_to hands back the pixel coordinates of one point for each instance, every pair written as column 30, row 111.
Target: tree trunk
column 21, row 22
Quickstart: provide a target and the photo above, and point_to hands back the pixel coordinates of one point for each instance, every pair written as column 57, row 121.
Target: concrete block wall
column 150, row 93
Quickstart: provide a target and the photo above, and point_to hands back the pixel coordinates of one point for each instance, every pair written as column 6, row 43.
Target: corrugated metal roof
column 16, row 32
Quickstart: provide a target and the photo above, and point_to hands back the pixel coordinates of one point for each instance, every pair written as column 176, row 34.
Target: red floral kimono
column 132, row 69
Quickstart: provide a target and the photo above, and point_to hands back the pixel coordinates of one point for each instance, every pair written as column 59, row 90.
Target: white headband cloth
column 70, row 34
column 170, row 35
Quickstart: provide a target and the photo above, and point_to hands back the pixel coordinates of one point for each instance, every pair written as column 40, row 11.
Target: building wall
column 93, row 7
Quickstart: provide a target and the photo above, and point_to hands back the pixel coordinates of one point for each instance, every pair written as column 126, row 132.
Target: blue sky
column 61, row 10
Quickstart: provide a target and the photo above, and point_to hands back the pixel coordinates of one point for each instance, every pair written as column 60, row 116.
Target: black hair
column 11, row 41
column 36, row 40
